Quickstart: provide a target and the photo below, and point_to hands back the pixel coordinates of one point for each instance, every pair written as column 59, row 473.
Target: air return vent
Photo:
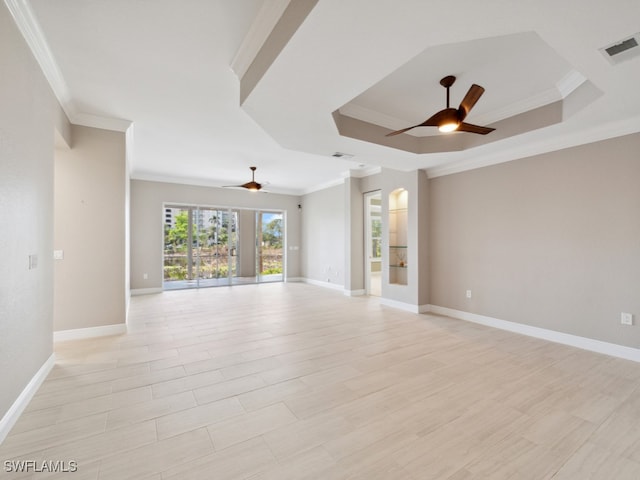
column 622, row 50
column 342, row 155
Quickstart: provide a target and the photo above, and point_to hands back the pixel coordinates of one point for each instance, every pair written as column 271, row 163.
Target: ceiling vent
column 622, row 50
column 342, row 155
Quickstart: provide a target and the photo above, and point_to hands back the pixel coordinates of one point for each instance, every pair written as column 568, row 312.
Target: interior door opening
column 373, row 243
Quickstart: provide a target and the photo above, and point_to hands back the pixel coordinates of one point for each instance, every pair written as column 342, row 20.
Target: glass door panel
column 179, row 266
column 203, row 246
column 205, row 252
column 232, row 245
column 270, row 238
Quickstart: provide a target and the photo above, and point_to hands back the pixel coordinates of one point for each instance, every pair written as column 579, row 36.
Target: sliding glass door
column 269, row 246
column 204, row 247
column 216, row 252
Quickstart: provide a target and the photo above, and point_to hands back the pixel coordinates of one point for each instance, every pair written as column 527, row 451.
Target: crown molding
column 205, row 182
column 260, row 29
column 550, row 144
column 570, row 82
column 365, row 172
column 516, row 108
column 28, row 25
column 97, row 121
column 324, row 186
column 30, row 28
column 546, row 97
column 368, row 115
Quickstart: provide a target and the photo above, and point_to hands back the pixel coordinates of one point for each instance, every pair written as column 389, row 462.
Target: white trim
column 584, row 343
column 354, row 293
column 570, row 82
column 202, row 182
column 407, row 307
column 91, row 332
column 363, row 172
column 30, row 28
column 104, row 123
column 318, row 283
column 262, row 26
column 294, row 280
column 325, row 185
column 11, row 417
column 145, row 291
column 529, row 149
column 353, row 110
column 516, row 108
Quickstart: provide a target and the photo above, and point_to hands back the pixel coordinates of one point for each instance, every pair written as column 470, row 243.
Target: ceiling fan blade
column 436, row 119
column 432, row 121
column 469, row 100
column 398, row 132
column 252, row 185
column 468, row 127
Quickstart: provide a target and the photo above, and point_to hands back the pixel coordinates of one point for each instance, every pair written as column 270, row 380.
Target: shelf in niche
column 398, row 237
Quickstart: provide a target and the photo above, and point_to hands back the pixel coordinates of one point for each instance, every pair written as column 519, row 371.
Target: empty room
column 319, row 239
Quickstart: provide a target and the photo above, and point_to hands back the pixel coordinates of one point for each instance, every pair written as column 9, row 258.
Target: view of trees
column 209, row 254
column 272, row 233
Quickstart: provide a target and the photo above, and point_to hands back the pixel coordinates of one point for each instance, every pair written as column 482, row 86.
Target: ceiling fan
column 252, row 185
column 452, row 119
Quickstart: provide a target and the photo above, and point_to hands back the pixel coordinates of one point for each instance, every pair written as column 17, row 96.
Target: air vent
column 621, row 47
column 342, row 155
column 622, row 50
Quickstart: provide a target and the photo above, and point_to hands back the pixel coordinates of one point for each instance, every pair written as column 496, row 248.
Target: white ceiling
column 165, row 65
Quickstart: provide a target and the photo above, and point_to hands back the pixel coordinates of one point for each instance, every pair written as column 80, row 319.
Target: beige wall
column 90, row 217
column 148, row 198
column 354, row 235
column 323, row 235
column 551, row 241
column 28, row 115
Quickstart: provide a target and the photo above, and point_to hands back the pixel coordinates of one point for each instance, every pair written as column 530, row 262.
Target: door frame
column 368, row 237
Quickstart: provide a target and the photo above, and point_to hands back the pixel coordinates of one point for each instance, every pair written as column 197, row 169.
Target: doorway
column 269, row 246
column 373, row 243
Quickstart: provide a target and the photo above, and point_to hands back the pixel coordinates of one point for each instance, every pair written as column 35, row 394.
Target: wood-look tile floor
column 292, row 381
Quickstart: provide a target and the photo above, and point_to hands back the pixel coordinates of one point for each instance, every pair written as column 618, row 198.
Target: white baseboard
column 91, row 332
column 318, row 283
column 145, row 291
column 407, row 307
column 11, row 417
column 355, row 293
column 584, row 343
column 295, row 279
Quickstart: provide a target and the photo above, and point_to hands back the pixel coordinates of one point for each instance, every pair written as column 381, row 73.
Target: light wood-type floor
column 293, row 381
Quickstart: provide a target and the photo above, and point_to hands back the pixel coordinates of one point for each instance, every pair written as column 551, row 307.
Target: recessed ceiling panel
column 517, row 69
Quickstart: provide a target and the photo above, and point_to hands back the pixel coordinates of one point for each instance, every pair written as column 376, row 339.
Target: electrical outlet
column 468, row 293
column 145, row 276
column 626, row 318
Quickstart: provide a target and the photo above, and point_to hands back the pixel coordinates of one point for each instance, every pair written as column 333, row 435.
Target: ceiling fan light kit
column 252, row 186
column 452, row 119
